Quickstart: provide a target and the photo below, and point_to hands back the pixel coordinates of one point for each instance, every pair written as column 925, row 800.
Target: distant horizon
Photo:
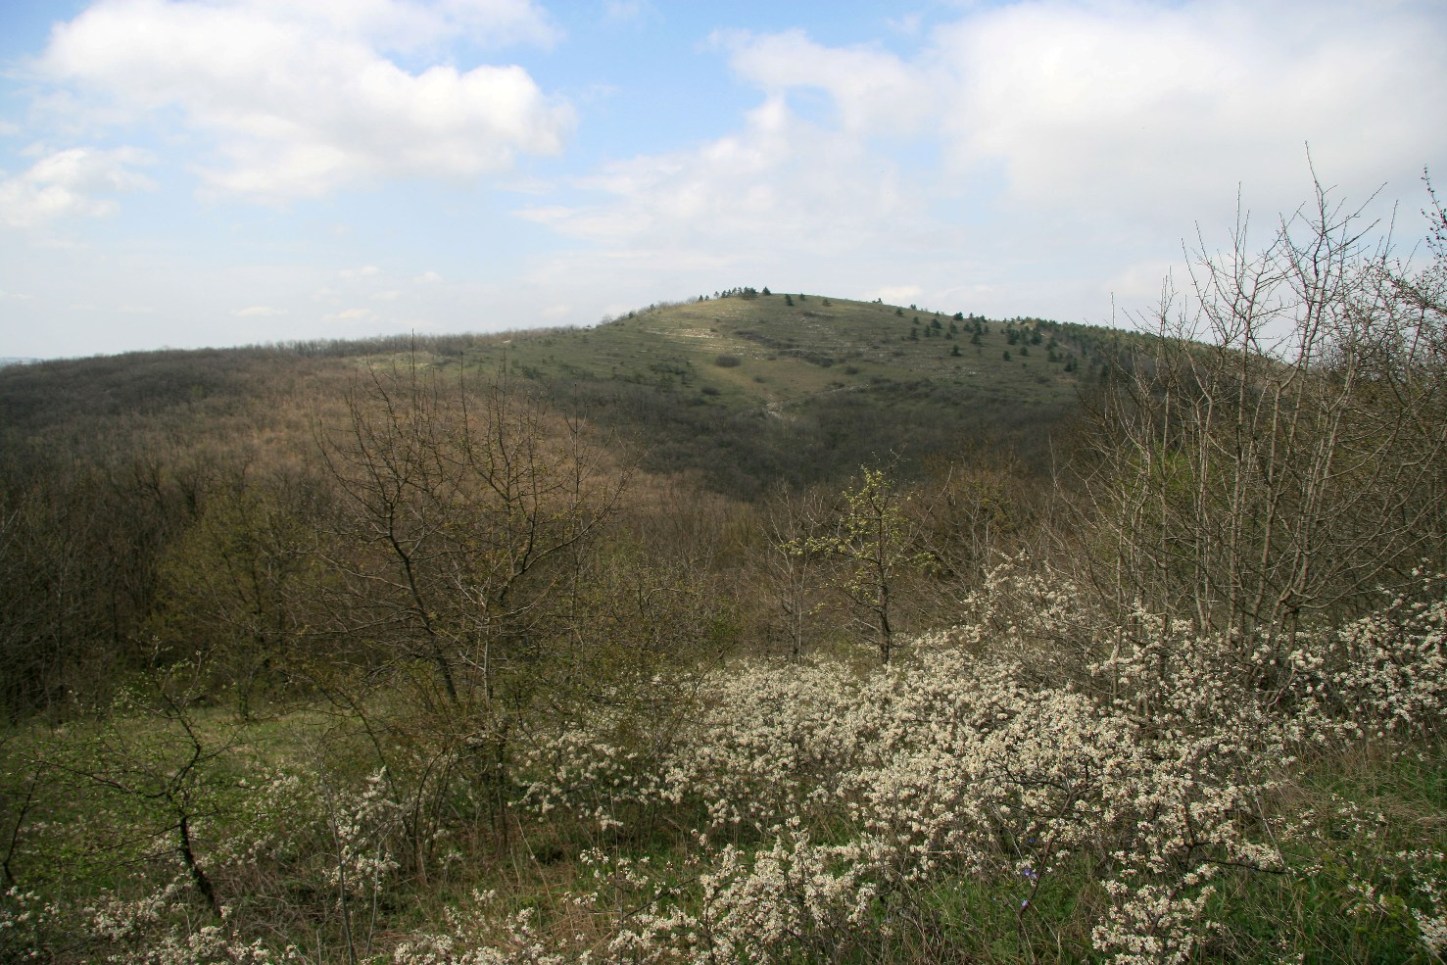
column 381, row 336
column 239, row 172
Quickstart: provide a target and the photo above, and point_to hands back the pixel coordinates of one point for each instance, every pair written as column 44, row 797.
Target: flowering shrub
column 1385, row 673
column 1040, row 780
column 279, row 831
column 1151, row 761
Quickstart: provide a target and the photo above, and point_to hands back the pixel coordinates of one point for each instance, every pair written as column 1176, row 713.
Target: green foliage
column 878, row 550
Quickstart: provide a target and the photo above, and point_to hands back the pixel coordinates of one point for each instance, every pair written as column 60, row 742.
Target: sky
column 188, row 173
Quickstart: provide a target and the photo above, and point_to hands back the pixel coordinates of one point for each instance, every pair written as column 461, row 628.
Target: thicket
column 446, row 677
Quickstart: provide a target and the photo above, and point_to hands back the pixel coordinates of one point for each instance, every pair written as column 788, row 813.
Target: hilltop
column 748, row 386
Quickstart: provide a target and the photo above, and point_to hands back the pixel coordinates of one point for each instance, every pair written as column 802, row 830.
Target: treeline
column 219, row 531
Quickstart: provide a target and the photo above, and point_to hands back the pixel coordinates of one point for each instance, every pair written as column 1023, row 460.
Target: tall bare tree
column 466, row 511
column 1277, row 452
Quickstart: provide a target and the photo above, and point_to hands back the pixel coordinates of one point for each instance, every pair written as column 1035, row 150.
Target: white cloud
column 299, row 98
column 779, row 183
column 1154, row 111
column 872, row 91
column 73, row 182
column 1139, row 110
column 897, row 294
column 258, row 311
column 1028, row 157
column 409, row 24
column 1140, row 283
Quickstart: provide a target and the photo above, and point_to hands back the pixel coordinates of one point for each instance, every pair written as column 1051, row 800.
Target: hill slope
column 748, row 388
column 740, row 390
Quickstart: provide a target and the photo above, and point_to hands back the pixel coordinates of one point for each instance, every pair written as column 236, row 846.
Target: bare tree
column 1277, row 450
column 466, row 512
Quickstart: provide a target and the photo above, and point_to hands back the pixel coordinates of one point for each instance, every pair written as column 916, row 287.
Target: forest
column 758, row 627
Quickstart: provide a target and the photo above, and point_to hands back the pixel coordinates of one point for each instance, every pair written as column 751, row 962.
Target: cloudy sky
column 218, row 172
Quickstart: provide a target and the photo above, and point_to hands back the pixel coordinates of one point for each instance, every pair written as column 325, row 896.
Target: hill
column 116, row 471
column 747, row 387
column 739, row 390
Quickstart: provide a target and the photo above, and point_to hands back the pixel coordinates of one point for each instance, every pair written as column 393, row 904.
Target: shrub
column 1041, row 748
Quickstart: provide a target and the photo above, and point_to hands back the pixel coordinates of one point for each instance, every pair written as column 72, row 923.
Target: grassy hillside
column 740, row 390
column 123, row 476
column 749, row 387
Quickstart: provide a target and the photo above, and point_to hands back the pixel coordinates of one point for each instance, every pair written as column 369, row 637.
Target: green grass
column 800, row 350
column 1372, row 812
